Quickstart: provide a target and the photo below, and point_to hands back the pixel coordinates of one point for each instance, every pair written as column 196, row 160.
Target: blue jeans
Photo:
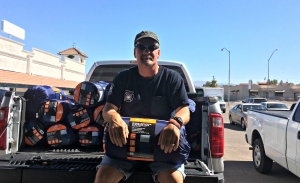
column 127, row 167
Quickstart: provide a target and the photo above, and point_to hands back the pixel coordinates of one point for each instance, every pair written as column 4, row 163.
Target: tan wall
column 38, row 62
column 262, row 90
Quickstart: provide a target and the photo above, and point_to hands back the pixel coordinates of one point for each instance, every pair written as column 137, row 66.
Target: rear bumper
column 28, row 168
column 19, row 175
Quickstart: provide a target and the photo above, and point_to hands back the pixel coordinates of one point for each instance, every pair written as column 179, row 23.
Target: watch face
column 179, row 120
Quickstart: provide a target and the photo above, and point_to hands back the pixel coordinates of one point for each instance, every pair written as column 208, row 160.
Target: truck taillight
column 216, row 135
column 3, row 122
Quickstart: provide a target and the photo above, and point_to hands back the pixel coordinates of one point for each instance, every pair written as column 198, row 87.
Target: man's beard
column 147, row 61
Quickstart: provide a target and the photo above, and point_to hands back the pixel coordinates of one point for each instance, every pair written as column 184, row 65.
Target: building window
column 253, row 94
column 278, row 94
column 71, row 56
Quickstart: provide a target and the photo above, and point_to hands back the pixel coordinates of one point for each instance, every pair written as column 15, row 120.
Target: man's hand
column 169, row 138
column 118, row 132
column 117, row 128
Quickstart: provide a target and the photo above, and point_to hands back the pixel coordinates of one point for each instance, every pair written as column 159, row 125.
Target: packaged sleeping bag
column 78, row 117
column 89, row 94
column 97, row 114
column 61, row 135
column 91, row 135
column 54, row 111
column 142, row 143
column 34, row 132
column 38, row 95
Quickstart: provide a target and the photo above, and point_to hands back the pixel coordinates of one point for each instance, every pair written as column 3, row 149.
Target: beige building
column 20, row 68
column 276, row 92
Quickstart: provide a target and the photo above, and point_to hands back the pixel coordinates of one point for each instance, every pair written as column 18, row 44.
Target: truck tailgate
column 26, row 168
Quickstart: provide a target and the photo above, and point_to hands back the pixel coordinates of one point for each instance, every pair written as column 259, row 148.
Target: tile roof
column 72, row 51
column 10, row 77
column 262, row 83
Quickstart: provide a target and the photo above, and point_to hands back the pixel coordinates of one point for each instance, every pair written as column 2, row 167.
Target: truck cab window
column 296, row 116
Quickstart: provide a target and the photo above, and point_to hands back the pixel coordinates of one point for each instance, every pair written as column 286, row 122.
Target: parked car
column 275, row 106
column 238, row 113
column 222, row 104
column 255, row 100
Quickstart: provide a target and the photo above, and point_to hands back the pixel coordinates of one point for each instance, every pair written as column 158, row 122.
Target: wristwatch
column 178, row 120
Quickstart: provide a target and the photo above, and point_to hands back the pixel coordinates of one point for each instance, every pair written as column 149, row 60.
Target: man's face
column 147, row 56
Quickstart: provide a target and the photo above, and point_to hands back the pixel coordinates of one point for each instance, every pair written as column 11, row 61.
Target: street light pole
column 228, row 76
column 268, row 74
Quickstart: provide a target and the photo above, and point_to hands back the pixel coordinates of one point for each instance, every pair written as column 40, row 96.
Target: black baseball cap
column 146, row 34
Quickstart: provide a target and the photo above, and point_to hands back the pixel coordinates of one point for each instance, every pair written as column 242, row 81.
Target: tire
column 243, row 124
column 231, row 122
column 261, row 162
column 224, row 111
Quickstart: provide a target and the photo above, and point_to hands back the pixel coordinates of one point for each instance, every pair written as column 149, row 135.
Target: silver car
column 275, row 106
column 239, row 112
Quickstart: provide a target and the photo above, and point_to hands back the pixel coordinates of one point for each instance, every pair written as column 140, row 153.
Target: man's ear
column 158, row 53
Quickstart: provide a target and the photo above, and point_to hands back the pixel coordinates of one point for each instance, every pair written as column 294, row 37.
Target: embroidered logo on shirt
column 128, row 96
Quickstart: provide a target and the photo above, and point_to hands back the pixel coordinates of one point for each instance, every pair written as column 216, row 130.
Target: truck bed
column 78, row 164
column 75, row 163
column 278, row 113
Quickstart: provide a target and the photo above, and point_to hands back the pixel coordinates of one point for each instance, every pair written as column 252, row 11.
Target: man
column 146, row 91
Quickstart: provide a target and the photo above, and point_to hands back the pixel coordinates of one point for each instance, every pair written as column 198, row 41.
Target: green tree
column 208, row 83
column 290, row 84
column 212, row 83
column 274, row 82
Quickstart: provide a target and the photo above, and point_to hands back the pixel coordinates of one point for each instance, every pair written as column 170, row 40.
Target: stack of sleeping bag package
column 55, row 120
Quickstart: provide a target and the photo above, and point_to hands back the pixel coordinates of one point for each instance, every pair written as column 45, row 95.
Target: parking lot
column 238, row 158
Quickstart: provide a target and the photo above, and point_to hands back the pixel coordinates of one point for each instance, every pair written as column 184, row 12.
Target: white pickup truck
column 29, row 164
column 275, row 136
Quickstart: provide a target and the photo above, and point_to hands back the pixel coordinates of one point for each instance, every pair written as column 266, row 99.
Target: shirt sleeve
column 116, row 91
column 179, row 95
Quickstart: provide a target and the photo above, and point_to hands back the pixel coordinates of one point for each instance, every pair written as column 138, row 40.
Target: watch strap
column 178, row 120
column 174, row 122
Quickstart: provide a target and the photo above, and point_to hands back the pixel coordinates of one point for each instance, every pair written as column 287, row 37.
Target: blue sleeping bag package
column 90, row 94
column 36, row 96
column 142, row 143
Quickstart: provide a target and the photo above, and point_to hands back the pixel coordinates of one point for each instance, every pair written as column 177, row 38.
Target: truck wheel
column 243, row 124
column 231, row 122
column 261, row 162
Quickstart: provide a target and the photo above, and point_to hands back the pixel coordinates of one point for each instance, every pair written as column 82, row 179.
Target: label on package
column 141, row 139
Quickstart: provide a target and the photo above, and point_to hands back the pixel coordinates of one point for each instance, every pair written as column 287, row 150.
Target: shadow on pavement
column 244, row 172
column 235, row 127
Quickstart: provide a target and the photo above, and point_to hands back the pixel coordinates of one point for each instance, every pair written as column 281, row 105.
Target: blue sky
column 192, row 31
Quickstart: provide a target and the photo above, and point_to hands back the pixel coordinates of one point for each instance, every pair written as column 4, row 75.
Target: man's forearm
column 184, row 113
column 110, row 113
